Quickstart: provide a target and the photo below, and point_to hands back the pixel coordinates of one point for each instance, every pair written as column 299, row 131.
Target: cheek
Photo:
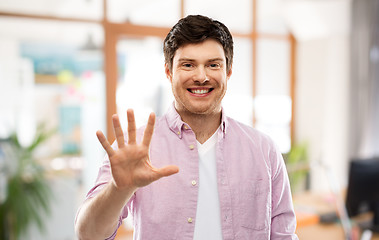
column 176, row 85
column 180, row 79
column 221, row 78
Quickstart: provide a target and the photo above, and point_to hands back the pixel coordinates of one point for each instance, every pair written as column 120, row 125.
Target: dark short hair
column 196, row 29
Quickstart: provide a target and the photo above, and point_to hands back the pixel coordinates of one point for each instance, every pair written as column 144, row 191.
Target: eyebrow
column 186, row 60
column 193, row 60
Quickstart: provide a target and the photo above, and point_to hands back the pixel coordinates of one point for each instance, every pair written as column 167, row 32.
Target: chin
column 198, row 108
column 204, row 110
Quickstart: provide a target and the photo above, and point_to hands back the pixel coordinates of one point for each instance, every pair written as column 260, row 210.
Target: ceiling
column 306, row 19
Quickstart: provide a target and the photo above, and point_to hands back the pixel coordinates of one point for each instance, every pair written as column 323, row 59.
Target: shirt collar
column 176, row 124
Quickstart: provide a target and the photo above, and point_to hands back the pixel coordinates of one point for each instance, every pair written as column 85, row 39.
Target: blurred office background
column 304, row 72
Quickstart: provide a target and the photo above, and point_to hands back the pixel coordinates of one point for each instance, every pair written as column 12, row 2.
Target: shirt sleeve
column 103, row 177
column 283, row 219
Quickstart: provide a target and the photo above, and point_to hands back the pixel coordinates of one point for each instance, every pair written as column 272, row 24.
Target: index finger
column 148, row 133
column 104, row 142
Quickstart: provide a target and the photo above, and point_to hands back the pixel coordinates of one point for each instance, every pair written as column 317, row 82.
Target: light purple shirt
column 253, row 186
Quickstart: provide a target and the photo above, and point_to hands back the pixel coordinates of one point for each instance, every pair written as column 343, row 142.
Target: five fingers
column 161, row 172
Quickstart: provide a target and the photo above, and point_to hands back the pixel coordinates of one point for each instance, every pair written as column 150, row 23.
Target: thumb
column 167, row 171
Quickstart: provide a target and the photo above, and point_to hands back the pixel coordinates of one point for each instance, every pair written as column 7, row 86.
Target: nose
column 201, row 75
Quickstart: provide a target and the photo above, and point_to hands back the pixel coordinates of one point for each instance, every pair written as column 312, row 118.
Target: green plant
column 297, row 165
column 28, row 190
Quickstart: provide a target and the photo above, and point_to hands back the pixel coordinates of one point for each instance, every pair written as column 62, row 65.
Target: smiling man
column 199, row 75
column 194, row 173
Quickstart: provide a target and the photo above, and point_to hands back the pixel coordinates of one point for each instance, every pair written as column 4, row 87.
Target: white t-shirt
column 208, row 220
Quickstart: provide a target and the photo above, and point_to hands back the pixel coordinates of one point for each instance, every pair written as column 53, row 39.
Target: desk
column 320, row 231
column 308, row 206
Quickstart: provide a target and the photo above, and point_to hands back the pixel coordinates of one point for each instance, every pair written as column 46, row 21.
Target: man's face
column 199, row 77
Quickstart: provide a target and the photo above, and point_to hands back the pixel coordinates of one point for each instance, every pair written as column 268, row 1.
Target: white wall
column 323, row 92
column 322, row 106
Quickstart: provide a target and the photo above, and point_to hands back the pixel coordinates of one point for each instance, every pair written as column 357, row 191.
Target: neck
column 203, row 125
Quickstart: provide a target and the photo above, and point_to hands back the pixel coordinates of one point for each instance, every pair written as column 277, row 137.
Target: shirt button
column 189, row 220
column 193, row 182
column 178, row 133
column 191, row 147
column 185, row 127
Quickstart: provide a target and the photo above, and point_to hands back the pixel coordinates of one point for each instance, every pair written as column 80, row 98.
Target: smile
column 200, row 91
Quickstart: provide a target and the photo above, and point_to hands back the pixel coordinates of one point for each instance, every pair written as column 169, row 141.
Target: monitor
column 363, row 190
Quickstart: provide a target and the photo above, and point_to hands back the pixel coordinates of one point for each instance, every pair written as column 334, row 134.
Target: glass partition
column 52, row 80
column 238, row 101
column 51, row 74
column 273, row 101
column 142, row 83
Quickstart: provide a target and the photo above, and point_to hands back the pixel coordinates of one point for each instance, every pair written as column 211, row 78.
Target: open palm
column 130, row 163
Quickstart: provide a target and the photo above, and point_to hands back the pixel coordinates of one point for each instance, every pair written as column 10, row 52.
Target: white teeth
column 200, row 91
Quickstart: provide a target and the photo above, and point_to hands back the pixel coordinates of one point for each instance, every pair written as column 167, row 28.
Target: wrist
column 128, row 190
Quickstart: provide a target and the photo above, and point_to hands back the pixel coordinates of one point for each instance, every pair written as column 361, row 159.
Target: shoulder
column 261, row 145
column 241, row 130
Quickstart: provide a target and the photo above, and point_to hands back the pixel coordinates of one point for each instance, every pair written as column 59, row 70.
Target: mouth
column 200, row 91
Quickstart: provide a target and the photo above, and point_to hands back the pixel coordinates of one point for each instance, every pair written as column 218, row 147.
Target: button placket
column 189, row 142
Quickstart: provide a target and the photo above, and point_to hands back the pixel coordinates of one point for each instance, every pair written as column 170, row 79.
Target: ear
column 229, row 73
column 168, row 72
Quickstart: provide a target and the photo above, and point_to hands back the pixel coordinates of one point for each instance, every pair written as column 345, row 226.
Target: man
column 222, row 179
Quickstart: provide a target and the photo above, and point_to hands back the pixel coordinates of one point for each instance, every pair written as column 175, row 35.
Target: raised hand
column 130, row 164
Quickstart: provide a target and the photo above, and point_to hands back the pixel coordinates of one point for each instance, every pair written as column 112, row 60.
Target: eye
column 215, row 65
column 187, row 65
